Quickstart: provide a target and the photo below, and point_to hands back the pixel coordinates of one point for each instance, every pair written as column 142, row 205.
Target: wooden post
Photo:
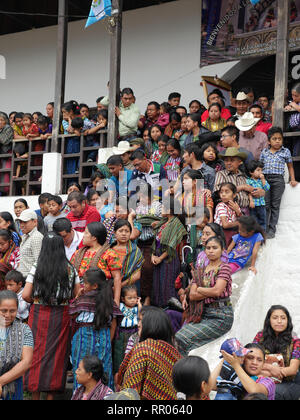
column 115, row 67
column 282, row 61
column 61, row 60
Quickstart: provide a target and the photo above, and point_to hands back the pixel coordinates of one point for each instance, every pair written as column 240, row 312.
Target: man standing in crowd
column 242, row 104
column 254, row 141
column 72, row 238
column 127, row 113
column 31, row 241
column 81, row 213
column 257, row 112
column 230, row 138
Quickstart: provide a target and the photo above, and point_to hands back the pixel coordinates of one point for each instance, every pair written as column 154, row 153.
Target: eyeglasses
column 227, row 135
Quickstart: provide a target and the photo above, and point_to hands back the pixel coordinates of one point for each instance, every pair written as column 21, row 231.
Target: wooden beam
column 61, row 61
column 115, row 70
column 282, row 61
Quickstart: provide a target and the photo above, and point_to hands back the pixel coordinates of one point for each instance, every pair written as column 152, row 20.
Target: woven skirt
column 88, row 341
column 215, row 323
column 51, row 331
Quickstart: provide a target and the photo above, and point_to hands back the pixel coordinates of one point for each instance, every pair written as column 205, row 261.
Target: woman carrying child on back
column 227, row 211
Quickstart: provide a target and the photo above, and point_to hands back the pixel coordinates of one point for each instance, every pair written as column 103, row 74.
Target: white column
column 51, row 178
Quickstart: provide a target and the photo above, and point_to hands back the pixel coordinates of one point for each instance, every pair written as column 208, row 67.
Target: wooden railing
column 85, row 167
column 29, row 182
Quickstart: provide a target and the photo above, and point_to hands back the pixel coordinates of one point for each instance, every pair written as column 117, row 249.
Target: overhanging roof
column 35, row 12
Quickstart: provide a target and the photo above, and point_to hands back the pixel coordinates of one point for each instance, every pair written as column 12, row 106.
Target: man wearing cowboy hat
column 253, row 140
column 233, row 159
column 242, row 103
column 125, row 149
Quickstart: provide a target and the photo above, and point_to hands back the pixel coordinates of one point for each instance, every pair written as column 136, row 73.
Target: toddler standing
column 129, row 307
column 258, row 180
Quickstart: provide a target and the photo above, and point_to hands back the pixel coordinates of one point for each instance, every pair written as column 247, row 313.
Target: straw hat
column 233, row 152
column 246, row 122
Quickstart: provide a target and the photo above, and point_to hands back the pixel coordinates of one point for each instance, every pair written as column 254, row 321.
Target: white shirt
column 74, row 245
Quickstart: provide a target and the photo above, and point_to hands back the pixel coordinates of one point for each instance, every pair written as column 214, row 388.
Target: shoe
column 175, row 304
column 270, row 235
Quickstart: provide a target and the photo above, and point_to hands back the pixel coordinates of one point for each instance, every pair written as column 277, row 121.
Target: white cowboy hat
column 246, row 122
column 241, row 96
column 123, row 147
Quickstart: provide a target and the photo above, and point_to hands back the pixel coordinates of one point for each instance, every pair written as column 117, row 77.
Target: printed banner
column 100, row 9
column 236, row 29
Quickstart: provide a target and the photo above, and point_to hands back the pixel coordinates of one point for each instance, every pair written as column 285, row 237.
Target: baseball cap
column 27, row 215
column 232, row 345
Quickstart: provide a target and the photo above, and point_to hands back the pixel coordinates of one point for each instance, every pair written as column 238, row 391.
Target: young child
column 245, row 244
column 227, row 211
column 174, row 163
column 161, row 155
column 191, row 377
column 183, row 133
column 258, row 180
column 129, row 307
column 164, row 117
column 209, row 154
column 30, row 129
column 226, row 381
column 15, row 282
column 105, row 208
column 44, row 126
column 214, row 122
column 102, row 120
column 274, row 159
column 55, row 204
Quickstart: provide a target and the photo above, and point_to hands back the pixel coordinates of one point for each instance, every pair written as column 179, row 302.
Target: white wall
column 160, row 54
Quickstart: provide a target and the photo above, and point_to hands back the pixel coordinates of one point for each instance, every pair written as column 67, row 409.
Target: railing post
column 115, row 66
column 61, row 60
column 282, row 61
column 51, row 179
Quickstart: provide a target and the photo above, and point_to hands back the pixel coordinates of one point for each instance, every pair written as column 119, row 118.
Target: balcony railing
column 29, row 181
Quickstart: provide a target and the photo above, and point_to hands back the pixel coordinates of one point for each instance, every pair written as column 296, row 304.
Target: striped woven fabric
column 148, row 369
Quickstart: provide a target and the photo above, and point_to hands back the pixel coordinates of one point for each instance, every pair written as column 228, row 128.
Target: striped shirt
column 237, row 179
column 223, row 210
column 274, row 163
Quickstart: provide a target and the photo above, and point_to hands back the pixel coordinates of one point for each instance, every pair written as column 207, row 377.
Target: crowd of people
column 112, row 288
